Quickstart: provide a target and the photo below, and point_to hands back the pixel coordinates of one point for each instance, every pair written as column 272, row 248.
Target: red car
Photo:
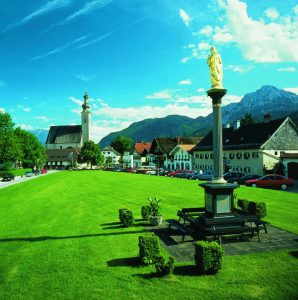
column 44, row 171
column 272, row 181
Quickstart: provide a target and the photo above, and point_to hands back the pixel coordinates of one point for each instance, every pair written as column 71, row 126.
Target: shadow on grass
column 110, row 224
column 45, row 238
column 294, row 253
column 120, row 225
column 190, row 270
column 125, row 262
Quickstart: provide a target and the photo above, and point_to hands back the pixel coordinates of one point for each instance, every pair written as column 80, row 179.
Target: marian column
column 216, row 93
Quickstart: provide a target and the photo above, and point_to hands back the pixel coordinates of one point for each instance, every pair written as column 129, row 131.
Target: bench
column 175, row 224
column 193, row 211
column 219, row 231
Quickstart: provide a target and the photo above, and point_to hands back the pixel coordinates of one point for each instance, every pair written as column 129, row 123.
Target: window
column 255, row 155
column 211, row 155
column 239, row 155
column 231, row 155
column 225, row 156
column 206, row 155
column 202, row 155
column 246, row 155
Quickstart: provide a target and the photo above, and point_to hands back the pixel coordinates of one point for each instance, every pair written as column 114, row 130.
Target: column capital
column 216, row 96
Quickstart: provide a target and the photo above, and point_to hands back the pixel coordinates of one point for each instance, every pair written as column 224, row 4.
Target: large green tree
column 91, row 154
column 121, row 144
column 10, row 151
column 33, row 153
column 247, row 119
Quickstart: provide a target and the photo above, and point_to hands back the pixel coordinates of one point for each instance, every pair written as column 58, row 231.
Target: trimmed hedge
column 121, row 213
column 164, row 268
column 146, row 212
column 127, row 218
column 149, row 248
column 253, row 207
column 208, row 256
column 15, row 172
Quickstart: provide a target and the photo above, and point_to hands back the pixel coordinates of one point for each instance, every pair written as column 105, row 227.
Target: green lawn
column 60, row 238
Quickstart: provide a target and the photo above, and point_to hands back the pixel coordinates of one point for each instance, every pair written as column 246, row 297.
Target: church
column 64, row 142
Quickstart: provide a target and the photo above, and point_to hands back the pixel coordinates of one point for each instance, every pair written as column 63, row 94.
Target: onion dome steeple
column 86, row 105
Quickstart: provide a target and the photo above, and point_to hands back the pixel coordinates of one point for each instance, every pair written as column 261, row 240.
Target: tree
column 109, row 160
column 10, row 151
column 33, row 153
column 121, row 144
column 247, row 120
column 91, row 154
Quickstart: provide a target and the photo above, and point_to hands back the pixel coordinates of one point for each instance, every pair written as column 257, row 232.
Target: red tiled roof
column 140, row 147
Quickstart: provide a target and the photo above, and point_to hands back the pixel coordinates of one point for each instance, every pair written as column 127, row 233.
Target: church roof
column 66, row 134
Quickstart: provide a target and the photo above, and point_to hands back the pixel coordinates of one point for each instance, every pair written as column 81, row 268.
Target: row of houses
column 250, row 149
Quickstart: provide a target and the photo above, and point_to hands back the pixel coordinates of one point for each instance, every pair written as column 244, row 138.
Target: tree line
column 19, row 148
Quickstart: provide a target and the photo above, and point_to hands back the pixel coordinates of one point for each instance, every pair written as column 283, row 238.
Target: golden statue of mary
column 215, row 66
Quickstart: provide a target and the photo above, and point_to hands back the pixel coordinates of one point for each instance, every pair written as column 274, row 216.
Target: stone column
column 216, row 96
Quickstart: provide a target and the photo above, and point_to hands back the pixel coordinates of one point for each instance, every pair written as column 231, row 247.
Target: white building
column 250, row 149
column 110, row 152
column 182, row 158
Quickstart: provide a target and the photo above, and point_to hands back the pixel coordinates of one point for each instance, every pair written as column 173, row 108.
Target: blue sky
column 138, row 58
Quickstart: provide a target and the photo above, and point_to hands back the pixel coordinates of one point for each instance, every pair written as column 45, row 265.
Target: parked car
column 36, row 172
column 172, row 173
column 233, row 174
column 241, row 180
column 44, row 171
column 272, row 181
column 208, row 175
column 8, row 177
column 28, row 174
column 130, row 170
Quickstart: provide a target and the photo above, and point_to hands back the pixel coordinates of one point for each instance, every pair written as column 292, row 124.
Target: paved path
column 19, row 179
column 275, row 239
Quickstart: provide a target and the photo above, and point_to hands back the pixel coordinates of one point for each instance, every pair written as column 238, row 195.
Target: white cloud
column 200, row 90
column 84, row 77
column 185, row 17
column 228, row 99
column 185, row 59
column 61, row 48
column 272, row 13
column 239, row 68
column 42, row 118
column 25, row 127
column 2, row 110
column 295, row 9
column 3, row 83
column 258, row 41
column 89, row 7
column 292, row 90
column 289, row 69
column 165, row 94
column 77, row 101
column 189, row 46
column 222, row 35
column 204, row 46
column 185, row 82
column 23, row 108
column 46, row 8
column 207, row 30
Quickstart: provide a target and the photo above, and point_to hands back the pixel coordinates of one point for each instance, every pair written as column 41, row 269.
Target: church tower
column 86, row 119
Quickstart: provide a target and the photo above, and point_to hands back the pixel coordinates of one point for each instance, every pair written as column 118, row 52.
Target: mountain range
column 268, row 99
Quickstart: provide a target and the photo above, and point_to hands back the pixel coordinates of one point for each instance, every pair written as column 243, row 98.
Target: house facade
column 110, row 154
column 182, row 157
column 162, row 147
column 139, row 153
column 250, row 149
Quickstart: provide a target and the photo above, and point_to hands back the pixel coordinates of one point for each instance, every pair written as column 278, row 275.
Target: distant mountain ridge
column 267, row 99
column 41, row 134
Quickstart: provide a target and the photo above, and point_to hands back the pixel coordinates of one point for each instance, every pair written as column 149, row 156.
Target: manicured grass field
column 60, row 239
